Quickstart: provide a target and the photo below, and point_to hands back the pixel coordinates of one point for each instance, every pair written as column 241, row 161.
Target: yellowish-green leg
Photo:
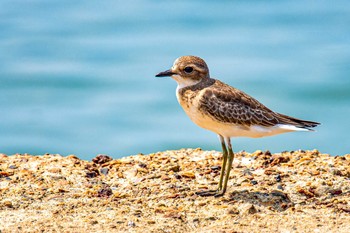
column 224, row 160
column 223, row 168
column 231, row 156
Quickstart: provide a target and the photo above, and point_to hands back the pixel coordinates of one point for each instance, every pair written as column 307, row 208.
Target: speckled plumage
column 230, row 105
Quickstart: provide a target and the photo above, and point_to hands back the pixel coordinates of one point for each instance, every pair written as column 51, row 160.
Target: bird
column 226, row 111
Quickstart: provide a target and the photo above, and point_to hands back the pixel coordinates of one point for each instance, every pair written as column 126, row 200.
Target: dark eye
column 188, row 69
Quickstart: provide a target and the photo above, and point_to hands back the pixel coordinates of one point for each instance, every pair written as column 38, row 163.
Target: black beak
column 165, row 73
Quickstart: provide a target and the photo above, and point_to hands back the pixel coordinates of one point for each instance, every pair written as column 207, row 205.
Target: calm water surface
column 77, row 77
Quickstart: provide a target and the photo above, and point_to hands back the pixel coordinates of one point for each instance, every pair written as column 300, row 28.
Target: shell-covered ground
column 300, row 191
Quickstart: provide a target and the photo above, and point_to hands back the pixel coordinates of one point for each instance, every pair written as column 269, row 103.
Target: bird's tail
column 298, row 122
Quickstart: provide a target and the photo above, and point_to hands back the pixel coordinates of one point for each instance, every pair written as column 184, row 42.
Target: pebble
column 174, row 168
column 165, row 177
column 253, row 182
column 215, row 168
column 8, row 204
column 104, row 192
column 278, row 178
column 142, row 165
column 104, row 171
column 101, row 159
column 187, row 174
column 233, row 211
column 247, row 208
column 91, row 174
column 336, row 191
column 131, row 224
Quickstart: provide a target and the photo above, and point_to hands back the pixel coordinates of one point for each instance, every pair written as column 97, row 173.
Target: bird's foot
column 219, row 193
column 207, row 193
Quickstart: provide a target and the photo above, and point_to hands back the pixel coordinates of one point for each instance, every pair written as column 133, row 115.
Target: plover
column 225, row 110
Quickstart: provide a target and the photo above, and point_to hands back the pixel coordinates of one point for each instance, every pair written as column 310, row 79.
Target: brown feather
column 230, row 105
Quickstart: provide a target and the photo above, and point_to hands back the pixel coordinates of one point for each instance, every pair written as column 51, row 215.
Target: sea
column 78, row 77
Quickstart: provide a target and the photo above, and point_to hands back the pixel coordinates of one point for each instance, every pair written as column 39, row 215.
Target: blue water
column 77, row 77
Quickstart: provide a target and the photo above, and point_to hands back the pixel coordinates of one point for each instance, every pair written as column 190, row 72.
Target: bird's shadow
column 275, row 200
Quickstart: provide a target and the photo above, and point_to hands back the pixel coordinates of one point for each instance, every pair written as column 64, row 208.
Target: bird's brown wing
column 228, row 104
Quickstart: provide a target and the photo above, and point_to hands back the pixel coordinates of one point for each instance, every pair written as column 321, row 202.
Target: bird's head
column 187, row 71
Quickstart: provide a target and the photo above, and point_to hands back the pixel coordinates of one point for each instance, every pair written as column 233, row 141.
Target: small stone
column 104, row 171
column 268, row 153
column 172, row 214
column 254, row 182
column 104, row 192
column 215, row 168
column 247, row 209
column 91, row 174
column 5, row 174
column 177, row 176
column 72, row 157
column 8, row 204
column 188, row 174
column 336, row 172
column 257, row 153
column 277, row 159
column 278, row 178
column 55, row 170
column 137, row 213
column 101, row 159
column 13, row 167
column 233, row 211
column 131, row 224
column 307, row 192
column 142, row 165
column 336, row 191
column 165, row 177
column 270, row 171
column 174, row 168
column 60, row 190
column 315, row 172
column 137, row 180
column 280, row 194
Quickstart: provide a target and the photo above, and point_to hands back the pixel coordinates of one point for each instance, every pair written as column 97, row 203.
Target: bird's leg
column 231, row 156
column 224, row 161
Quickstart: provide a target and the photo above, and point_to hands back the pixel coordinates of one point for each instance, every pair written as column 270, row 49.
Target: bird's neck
column 203, row 83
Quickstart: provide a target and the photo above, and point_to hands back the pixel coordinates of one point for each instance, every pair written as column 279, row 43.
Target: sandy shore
column 287, row 192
